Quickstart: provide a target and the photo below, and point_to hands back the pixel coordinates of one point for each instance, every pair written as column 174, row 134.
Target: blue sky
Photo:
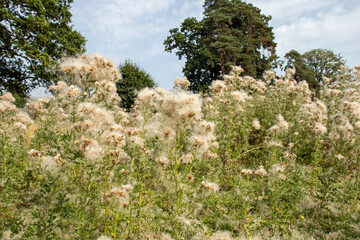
column 136, row 29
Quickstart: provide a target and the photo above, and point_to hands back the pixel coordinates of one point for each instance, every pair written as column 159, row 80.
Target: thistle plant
column 251, row 158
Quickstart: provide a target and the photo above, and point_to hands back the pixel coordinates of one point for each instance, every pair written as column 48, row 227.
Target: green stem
column 52, row 195
column 106, row 205
column 85, row 202
column 130, row 201
column 5, row 168
column 139, row 200
column 115, row 224
column 177, row 192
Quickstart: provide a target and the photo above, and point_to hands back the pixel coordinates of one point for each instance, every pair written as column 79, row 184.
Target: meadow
column 250, row 159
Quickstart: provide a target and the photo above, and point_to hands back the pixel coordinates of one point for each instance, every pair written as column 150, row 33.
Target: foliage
column 232, row 33
column 133, row 79
column 260, row 159
column 302, row 70
column 324, row 62
column 33, row 36
column 314, row 65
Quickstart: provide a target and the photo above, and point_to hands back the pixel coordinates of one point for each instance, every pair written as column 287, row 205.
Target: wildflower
column 277, row 168
column 182, row 83
column 104, row 238
column 269, row 75
column 240, row 96
column 256, row 124
column 162, row 160
column 94, row 151
column 7, row 97
column 188, row 158
column 289, row 73
column 273, row 143
column 334, row 135
column 24, row 118
column 7, row 106
column 168, row 133
column 127, row 187
column 229, row 78
column 261, row 171
column 185, row 221
column 320, row 128
column 247, row 172
column 137, row 140
column 119, row 192
column 340, row 157
column 260, row 86
column 73, row 92
column 218, row 86
column 49, row 163
column 164, row 236
column 236, row 70
column 33, row 153
column 281, row 126
column 327, row 80
column 210, row 186
column 221, row 236
column 146, row 96
column 205, row 128
column 20, row 126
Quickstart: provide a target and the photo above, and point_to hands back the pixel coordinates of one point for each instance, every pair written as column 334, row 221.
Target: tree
column 324, row 62
column 34, row 35
column 232, row 33
column 302, row 70
column 314, row 65
column 133, row 79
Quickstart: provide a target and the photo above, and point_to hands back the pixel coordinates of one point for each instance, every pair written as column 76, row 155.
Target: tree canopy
column 324, row 62
column 134, row 78
column 232, row 32
column 34, row 34
column 314, row 65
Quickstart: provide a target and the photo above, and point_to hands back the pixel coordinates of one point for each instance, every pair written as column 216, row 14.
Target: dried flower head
column 247, row 172
column 256, row 124
column 182, row 83
column 7, row 97
column 210, row 186
column 261, row 171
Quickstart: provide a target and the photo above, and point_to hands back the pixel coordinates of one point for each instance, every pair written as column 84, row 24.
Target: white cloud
column 335, row 29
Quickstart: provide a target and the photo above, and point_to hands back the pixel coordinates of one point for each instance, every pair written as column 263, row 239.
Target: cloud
column 285, row 11
column 304, row 25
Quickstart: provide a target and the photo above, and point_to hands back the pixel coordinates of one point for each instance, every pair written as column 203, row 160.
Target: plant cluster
column 253, row 158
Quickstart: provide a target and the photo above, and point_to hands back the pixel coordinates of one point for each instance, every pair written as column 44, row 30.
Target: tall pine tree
column 232, row 33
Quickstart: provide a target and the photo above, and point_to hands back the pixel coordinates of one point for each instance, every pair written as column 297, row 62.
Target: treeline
column 36, row 35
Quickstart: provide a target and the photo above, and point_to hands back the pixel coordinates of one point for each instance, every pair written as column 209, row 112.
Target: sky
column 136, row 29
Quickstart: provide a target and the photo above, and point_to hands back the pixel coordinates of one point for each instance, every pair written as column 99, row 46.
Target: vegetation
column 34, row 35
column 133, row 79
column 314, row 65
column 232, row 33
column 254, row 158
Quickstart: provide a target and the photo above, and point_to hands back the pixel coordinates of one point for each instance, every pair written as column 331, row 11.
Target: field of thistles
column 250, row 159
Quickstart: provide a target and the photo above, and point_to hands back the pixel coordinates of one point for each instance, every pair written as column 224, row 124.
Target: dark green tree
column 133, row 79
column 232, row 33
column 34, row 35
column 302, row 71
